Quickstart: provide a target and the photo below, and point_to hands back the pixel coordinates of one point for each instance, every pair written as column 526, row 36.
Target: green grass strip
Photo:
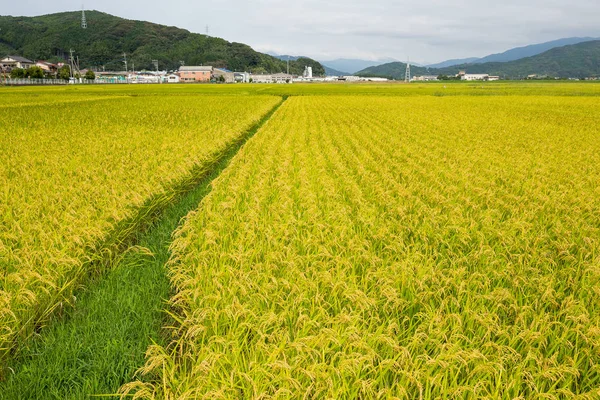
column 98, row 346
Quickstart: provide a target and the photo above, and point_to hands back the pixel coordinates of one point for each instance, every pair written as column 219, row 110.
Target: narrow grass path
column 101, row 344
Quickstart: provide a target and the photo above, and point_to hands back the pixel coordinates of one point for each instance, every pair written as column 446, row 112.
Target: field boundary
column 102, row 254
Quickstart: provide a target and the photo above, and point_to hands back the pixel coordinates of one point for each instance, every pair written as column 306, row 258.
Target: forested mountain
column 456, row 61
column 514, row 54
column 575, row 61
column 107, row 37
column 352, row 65
column 531, row 50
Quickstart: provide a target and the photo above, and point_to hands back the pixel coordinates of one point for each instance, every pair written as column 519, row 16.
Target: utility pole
column 155, row 62
column 71, row 61
column 77, row 67
column 288, row 65
column 133, row 67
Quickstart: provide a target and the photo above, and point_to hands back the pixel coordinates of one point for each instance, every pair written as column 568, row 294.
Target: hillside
column 352, row 65
column 395, row 70
column 456, row 61
column 328, row 70
column 334, row 72
column 578, row 61
column 107, row 37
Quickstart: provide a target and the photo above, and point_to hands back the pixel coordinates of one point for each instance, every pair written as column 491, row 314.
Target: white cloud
column 433, row 30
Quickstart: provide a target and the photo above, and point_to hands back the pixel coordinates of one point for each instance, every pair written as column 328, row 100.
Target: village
column 20, row 70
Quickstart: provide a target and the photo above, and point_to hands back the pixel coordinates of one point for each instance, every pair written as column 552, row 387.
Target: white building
column 261, row 78
column 243, row 77
column 474, row 77
column 373, row 79
column 171, row 78
column 425, row 78
column 307, row 72
column 282, row 78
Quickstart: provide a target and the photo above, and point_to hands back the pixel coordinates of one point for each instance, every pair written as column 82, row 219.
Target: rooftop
column 19, row 59
column 206, row 68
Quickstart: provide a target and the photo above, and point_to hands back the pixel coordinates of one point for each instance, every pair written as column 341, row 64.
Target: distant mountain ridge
column 284, row 57
column 572, row 61
column 107, row 37
column 334, row 72
column 328, row 70
column 352, row 65
column 516, row 53
column 532, row 50
column 456, row 61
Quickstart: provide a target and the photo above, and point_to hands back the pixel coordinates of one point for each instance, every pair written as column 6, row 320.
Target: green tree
column 35, row 72
column 18, row 73
column 90, row 75
column 64, row 72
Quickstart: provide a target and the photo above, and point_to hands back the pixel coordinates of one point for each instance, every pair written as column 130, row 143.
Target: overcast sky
column 429, row 31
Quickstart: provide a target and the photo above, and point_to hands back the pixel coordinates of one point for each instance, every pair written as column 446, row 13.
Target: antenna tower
column 83, row 20
column 407, row 74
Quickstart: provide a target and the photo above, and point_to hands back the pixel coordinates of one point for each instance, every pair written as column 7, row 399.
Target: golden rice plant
column 389, row 247
column 78, row 175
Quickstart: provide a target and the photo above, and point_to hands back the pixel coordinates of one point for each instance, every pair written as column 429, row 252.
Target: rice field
column 77, row 175
column 368, row 241
column 394, row 248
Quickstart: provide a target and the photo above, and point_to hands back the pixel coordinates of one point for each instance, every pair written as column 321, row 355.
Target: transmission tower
column 206, row 30
column 83, row 20
column 125, row 61
column 407, row 74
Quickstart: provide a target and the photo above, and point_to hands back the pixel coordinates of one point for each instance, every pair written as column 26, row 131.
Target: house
column 9, row 63
column 172, row 78
column 48, row 67
column 227, row 75
column 195, row 73
column 493, row 78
